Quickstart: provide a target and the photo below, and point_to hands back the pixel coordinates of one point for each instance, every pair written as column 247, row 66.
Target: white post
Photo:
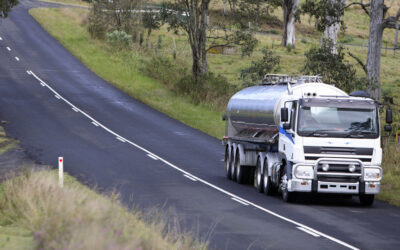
column 61, row 171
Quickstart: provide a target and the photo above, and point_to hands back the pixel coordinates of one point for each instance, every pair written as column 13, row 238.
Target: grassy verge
column 79, row 3
column 36, row 213
column 121, row 69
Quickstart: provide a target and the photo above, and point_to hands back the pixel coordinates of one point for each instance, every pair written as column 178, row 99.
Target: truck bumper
column 298, row 185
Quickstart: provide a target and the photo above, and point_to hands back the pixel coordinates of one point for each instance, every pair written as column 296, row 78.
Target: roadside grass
column 38, row 214
column 6, row 143
column 79, row 3
column 120, row 67
column 390, row 188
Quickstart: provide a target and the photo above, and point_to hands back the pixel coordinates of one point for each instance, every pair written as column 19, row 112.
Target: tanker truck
column 294, row 134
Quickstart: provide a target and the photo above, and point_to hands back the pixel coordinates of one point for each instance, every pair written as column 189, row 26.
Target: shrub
column 119, row 38
column 269, row 63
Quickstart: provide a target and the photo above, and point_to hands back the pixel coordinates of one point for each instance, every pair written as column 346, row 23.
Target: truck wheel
column 258, row 177
column 268, row 186
column 228, row 163
column 240, row 171
column 367, row 199
column 233, row 165
column 286, row 195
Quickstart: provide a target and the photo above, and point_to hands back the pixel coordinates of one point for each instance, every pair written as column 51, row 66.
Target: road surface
column 57, row 107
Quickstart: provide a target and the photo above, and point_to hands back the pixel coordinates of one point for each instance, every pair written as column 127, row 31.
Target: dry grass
column 75, row 217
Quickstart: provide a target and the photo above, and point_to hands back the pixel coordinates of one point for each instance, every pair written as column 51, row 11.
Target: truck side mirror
column 389, row 116
column 388, row 128
column 284, row 114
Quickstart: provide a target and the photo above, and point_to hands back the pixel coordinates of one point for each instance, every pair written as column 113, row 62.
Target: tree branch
column 363, row 66
column 363, row 6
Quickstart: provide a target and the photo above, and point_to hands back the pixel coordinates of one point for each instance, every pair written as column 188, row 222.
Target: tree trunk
column 331, row 31
column 289, row 32
column 374, row 48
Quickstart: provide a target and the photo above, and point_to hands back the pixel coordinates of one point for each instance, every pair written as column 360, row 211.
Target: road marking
column 75, row 109
column 308, row 231
column 152, row 156
column 201, row 180
column 16, row 58
column 121, row 139
column 8, row 48
column 189, row 177
column 94, row 123
column 57, row 97
column 43, row 85
column 1, row 38
column 240, row 201
column 28, row 72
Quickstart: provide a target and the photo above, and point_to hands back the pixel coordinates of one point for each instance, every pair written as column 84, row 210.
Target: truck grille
column 313, row 153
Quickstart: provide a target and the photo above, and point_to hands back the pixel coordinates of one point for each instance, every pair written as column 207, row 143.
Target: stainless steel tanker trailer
column 294, row 135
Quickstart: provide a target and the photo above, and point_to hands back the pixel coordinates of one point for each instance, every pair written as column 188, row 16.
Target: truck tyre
column 258, row 177
column 228, row 163
column 367, row 199
column 268, row 186
column 286, row 195
column 233, row 164
column 240, row 170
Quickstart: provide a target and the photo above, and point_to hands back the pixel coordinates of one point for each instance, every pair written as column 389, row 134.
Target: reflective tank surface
column 250, row 112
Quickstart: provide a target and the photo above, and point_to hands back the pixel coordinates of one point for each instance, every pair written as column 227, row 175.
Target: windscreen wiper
column 319, row 132
column 359, row 134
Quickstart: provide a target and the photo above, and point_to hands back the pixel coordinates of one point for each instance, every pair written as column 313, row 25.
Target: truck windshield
column 338, row 122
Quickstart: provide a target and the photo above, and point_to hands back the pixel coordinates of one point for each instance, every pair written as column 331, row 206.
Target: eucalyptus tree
column 6, row 6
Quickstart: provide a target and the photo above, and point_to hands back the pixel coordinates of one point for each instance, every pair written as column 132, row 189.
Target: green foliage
column 150, row 21
column 346, row 39
column 210, row 89
column 6, row 6
column 325, row 12
column 332, row 67
column 269, row 63
column 119, row 38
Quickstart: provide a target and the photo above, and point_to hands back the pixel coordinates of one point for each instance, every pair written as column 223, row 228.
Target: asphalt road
column 57, row 107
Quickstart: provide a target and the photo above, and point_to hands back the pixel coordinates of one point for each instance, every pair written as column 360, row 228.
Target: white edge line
column 240, row 201
column 205, row 182
column 16, row 58
column 189, row 177
column 120, row 138
column 75, row 109
column 152, row 156
column 94, row 123
column 56, row 96
column 308, row 231
column 28, row 72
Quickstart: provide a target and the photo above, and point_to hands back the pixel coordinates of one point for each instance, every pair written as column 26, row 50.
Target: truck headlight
column 372, row 174
column 304, row 172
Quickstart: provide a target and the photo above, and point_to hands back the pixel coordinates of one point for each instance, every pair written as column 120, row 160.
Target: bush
column 119, row 38
column 269, row 63
column 333, row 67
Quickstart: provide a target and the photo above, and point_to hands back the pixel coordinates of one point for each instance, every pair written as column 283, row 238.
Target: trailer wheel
column 367, row 199
column 228, row 163
column 233, row 164
column 258, row 177
column 240, row 171
column 268, row 186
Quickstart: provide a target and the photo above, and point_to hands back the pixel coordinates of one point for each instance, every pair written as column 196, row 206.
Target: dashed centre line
column 1, row 39
column 234, row 197
column 75, row 109
column 94, row 123
column 56, row 96
column 8, row 48
column 16, row 58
